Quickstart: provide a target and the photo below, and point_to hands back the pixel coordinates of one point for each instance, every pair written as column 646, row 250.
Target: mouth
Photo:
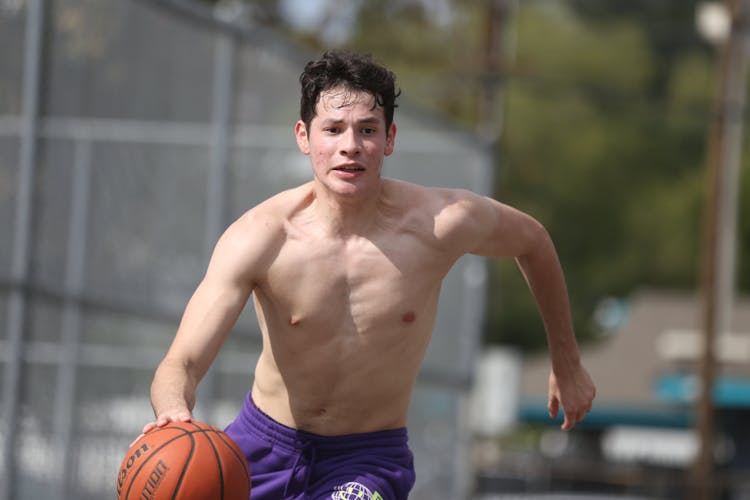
column 349, row 168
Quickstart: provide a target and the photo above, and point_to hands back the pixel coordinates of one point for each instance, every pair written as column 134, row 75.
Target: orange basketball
column 184, row 460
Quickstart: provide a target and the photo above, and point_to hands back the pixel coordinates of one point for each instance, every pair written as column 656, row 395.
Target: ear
column 300, row 133
column 390, row 140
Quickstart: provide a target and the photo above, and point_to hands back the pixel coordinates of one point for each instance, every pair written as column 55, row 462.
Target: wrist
column 566, row 362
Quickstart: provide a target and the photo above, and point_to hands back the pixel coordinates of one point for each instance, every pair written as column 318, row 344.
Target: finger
column 553, row 406
column 569, row 421
column 163, row 420
column 148, row 428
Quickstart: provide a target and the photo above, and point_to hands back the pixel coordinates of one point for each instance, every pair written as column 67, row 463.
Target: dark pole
column 723, row 158
column 489, row 117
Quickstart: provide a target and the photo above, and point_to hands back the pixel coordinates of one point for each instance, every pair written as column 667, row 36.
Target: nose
column 349, row 144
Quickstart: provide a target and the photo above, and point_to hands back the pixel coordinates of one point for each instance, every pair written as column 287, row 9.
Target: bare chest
column 359, row 284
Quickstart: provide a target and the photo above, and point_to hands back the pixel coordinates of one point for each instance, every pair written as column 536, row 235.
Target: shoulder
column 445, row 204
column 434, row 198
column 260, row 230
column 449, row 213
column 462, row 221
column 268, row 218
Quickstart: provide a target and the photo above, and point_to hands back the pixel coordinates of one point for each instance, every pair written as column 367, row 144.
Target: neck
column 347, row 215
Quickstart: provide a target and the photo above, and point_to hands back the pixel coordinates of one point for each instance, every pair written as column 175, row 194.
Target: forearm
column 173, row 388
column 544, row 275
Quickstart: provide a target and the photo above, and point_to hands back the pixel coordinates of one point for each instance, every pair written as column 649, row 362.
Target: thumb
column 553, row 406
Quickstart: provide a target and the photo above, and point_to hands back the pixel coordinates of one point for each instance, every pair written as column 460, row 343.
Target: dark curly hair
column 353, row 71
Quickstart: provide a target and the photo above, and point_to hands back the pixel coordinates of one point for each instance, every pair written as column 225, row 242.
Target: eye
column 331, row 130
column 368, row 131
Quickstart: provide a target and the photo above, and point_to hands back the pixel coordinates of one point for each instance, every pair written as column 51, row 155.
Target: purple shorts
column 289, row 464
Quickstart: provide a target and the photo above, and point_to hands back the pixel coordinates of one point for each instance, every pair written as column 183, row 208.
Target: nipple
column 294, row 321
column 409, row 317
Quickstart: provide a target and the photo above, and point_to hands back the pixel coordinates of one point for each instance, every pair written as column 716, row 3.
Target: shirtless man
column 345, row 272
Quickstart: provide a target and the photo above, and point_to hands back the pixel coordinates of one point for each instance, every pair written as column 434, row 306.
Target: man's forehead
column 341, row 97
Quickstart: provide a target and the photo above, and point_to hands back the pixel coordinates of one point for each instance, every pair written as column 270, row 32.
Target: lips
column 349, row 168
column 348, row 172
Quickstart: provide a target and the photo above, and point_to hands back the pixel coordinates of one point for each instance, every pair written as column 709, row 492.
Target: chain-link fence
column 131, row 134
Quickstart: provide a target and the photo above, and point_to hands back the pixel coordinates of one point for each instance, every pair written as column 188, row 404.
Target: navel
column 409, row 317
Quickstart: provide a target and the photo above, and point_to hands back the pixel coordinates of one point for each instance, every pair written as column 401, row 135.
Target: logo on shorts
column 355, row 491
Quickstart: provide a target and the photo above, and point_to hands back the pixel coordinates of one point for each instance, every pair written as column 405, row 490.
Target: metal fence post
column 21, row 258
column 65, row 395
column 216, row 199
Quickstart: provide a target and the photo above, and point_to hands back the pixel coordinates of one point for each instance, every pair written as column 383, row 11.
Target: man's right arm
column 211, row 313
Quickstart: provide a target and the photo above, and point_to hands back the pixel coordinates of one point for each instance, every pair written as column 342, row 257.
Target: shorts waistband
column 269, row 429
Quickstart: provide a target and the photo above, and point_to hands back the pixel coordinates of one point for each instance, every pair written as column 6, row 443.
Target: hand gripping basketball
column 181, row 461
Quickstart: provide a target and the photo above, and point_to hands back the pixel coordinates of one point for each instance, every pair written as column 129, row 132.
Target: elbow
column 537, row 239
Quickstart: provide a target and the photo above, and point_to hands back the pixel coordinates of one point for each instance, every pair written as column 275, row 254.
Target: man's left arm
column 498, row 230
column 570, row 385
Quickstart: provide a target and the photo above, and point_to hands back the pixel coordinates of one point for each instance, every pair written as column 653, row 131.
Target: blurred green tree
column 607, row 155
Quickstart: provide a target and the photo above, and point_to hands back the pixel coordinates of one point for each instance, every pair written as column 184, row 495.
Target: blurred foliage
column 605, row 110
column 607, row 157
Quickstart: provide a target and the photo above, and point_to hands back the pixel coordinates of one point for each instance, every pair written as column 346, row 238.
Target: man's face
column 347, row 141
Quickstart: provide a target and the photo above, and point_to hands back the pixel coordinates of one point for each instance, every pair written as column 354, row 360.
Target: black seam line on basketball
column 185, row 467
column 218, row 459
column 151, row 455
column 240, row 458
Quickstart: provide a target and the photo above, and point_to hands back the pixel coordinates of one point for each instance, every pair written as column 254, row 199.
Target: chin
column 348, row 192
column 350, row 188
column 345, row 188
